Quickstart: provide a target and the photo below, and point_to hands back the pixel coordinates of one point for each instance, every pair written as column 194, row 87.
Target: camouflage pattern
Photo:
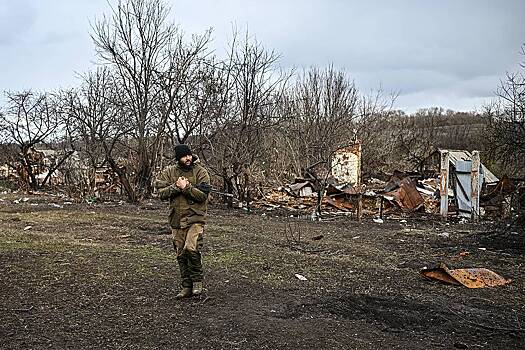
column 188, row 206
column 188, row 244
column 187, row 216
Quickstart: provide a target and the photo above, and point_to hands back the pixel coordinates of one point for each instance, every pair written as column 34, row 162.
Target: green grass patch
column 62, row 257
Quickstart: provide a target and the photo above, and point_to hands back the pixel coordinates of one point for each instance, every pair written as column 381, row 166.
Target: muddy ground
column 103, row 276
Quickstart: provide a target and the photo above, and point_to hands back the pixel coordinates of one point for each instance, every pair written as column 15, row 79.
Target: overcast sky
column 446, row 53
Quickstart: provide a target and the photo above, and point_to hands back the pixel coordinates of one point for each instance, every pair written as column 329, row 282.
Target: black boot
column 184, row 293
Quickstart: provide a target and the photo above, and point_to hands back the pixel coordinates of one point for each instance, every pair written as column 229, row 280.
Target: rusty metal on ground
column 469, row 277
column 406, row 195
column 340, row 203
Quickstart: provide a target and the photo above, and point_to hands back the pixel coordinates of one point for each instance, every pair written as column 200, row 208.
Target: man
column 186, row 185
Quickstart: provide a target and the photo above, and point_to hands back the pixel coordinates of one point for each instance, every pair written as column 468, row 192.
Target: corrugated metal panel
column 464, row 187
column 456, row 155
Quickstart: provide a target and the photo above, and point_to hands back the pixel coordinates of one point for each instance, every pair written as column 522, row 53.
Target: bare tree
column 187, row 87
column 395, row 140
column 5, row 147
column 98, row 122
column 136, row 42
column 373, row 128
column 319, row 112
column 416, row 135
column 506, row 129
column 30, row 120
column 251, row 88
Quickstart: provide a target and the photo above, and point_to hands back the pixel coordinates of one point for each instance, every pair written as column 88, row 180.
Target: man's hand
column 182, row 182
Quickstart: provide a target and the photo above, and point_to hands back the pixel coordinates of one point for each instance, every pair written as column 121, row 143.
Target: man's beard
column 186, row 166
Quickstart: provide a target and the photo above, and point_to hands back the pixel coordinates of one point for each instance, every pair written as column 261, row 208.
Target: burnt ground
column 103, row 276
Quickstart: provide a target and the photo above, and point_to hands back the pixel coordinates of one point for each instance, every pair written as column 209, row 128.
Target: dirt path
column 104, row 276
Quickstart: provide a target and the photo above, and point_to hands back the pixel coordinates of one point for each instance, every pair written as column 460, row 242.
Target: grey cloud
column 16, row 19
column 446, row 51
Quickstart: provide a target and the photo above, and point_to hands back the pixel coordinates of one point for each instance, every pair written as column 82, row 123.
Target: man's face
column 186, row 160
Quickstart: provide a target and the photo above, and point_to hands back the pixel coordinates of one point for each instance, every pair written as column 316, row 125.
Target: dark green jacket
column 188, row 206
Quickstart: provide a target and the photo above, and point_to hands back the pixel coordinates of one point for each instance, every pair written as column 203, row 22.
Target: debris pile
column 374, row 197
column 451, row 183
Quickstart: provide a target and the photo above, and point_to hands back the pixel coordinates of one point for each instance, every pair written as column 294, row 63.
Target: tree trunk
column 228, row 188
column 130, row 192
column 32, row 181
column 54, row 168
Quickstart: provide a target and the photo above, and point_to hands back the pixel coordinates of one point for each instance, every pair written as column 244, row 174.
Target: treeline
column 253, row 124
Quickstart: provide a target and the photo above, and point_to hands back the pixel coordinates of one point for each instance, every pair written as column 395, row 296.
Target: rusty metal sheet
column 407, row 195
column 301, row 189
column 351, row 190
column 469, row 277
column 340, row 203
column 439, row 275
column 410, row 196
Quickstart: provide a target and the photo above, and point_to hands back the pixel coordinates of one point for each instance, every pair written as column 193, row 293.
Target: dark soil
column 104, row 276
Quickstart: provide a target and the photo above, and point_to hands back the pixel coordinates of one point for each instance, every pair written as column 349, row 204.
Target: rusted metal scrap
column 345, row 189
column 498, row 199
column 350, row 198
column 469, row 277
column 404, row 192
column 300, row 189
column 340, row 203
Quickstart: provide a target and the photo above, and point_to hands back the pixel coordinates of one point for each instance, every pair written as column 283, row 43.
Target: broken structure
column 450, row 181
column 464, row 172
column 346, row 165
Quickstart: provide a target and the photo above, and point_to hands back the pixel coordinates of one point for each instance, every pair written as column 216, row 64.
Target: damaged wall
column 346, row 165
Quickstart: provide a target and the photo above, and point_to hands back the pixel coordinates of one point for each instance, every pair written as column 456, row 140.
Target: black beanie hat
column 181, row 151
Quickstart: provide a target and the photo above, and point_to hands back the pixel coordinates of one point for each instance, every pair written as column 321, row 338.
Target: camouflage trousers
column 188, row 243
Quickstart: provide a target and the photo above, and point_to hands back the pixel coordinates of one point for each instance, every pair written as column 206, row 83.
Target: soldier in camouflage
column 186, row 185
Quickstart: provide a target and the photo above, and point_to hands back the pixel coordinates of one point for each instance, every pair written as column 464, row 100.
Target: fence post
column 443, row 183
